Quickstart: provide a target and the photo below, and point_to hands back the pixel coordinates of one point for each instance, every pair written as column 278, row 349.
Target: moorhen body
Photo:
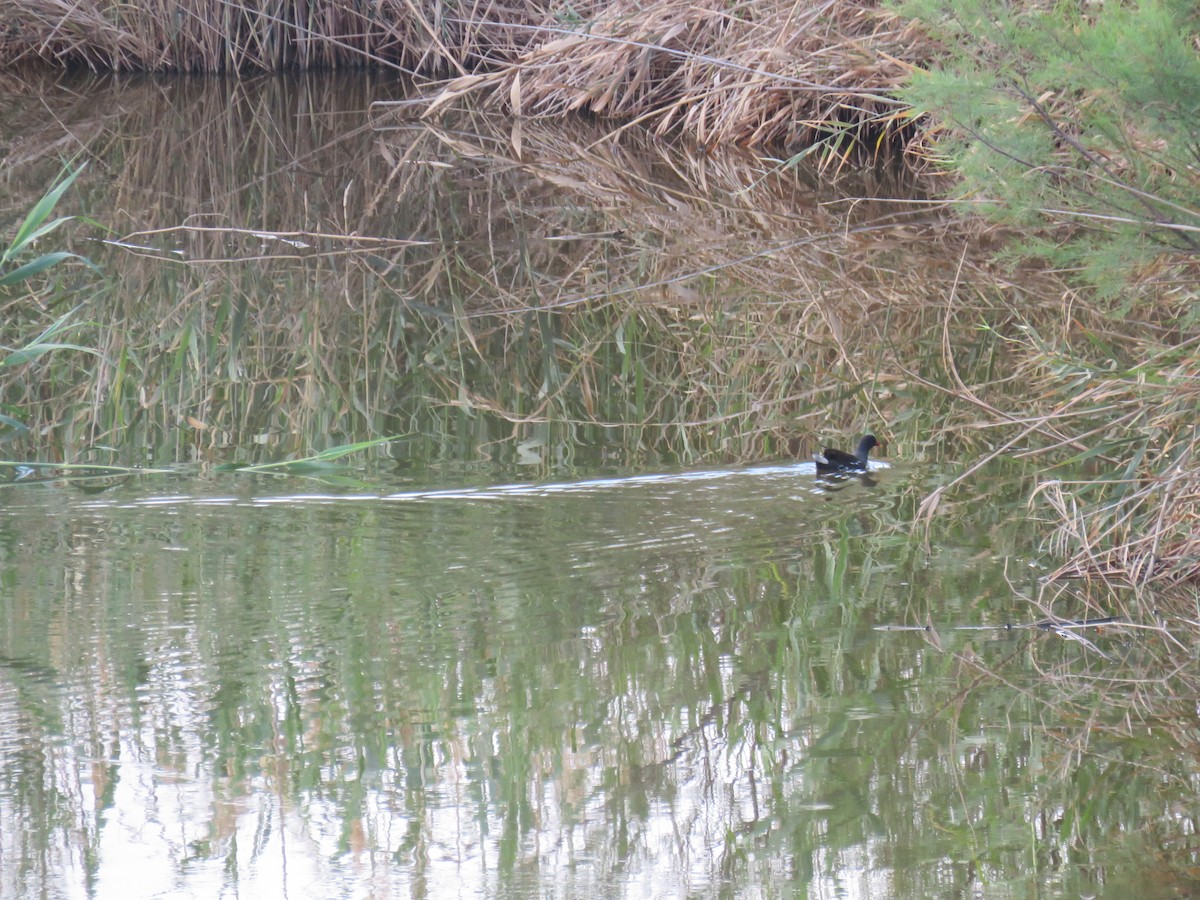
column 833, row 462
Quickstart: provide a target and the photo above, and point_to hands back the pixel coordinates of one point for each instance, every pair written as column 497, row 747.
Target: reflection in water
column 572, row 302
column 654, row 686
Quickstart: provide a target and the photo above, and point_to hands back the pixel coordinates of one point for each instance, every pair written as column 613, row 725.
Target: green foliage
column 37, row 225
column 14, row 272
column 1078, row 121
column 321, row 464
column 48, row 340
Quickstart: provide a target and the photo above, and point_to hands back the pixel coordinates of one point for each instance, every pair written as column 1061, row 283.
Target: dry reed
column 221, row 36
column 1131, row 517
column 1138, row 523
column 758, row 74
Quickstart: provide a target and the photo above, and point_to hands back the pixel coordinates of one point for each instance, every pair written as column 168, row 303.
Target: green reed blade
column 310, row 463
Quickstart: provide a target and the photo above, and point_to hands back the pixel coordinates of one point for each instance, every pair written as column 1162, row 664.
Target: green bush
column 1078, row 125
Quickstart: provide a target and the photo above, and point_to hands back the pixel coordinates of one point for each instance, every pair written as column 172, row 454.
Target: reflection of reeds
column 668, row 301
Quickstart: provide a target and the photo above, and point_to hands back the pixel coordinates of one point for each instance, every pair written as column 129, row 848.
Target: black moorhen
column 833, row 462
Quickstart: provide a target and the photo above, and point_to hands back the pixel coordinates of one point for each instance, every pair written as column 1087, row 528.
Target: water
column 617, row 687
column 588, row 630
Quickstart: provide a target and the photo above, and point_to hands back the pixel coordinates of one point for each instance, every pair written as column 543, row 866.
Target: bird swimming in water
column 835, row 462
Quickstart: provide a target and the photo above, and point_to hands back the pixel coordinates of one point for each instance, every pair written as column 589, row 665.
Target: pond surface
column 667, row 687
column 587, row 629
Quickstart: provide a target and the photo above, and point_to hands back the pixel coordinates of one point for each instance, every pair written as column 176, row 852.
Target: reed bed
column 1123, row 420
column 1138, row 524
column 1108, row 425
column 213, row 36
column 756, row 74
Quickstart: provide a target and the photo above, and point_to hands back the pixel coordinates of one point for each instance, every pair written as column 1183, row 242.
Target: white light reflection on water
column 760, row 477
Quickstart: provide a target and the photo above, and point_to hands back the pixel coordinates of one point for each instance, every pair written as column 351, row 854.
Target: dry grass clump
column 757, row 74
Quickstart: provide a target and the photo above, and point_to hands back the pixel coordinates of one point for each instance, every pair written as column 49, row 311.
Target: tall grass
column 1108, row 424
column 21, row 272
column 218, row 36
column 1135, row 522
column 1118, row 411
